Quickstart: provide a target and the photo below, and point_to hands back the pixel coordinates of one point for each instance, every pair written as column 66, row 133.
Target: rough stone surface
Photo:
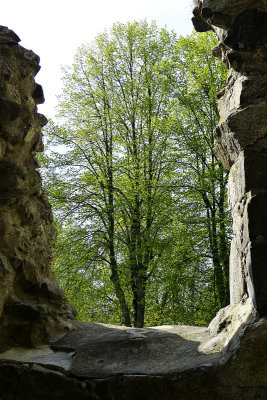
column 242, row 137
column 32, row 307
column 163, row 363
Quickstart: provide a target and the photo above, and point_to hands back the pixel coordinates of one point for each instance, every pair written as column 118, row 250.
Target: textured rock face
column 32, row 307
column 241, row 27
column 104, row 362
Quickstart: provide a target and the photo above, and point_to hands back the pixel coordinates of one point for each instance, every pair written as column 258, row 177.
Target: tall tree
column 115, row 113
column 194, row 284
column 138, row 193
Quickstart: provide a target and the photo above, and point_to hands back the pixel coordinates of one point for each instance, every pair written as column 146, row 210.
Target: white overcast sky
column 54, row 29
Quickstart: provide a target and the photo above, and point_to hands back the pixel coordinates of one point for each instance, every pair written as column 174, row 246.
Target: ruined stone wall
column 32, row 307
column 241, row 28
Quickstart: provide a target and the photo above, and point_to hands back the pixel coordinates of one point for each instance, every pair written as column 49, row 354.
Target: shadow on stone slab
column 105, row 350
column 107, row 362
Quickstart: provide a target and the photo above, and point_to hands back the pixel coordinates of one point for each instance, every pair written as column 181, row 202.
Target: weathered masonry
column 228, row 360
column 241, row 27
column 32, row 307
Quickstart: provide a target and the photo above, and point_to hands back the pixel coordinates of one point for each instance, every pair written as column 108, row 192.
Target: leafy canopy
column 138, row 194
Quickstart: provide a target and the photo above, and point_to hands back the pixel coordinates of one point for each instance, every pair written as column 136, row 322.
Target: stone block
column 253, row 88
column 257, row 218
column 255, row 170
column 248, row 32
column 225, row 6
column 248, row 174
column 242, row 128
column 256, row 264
column 237, row 282
column 9, row 110
column 17, row 180
column 236, row 184
column 231, row 100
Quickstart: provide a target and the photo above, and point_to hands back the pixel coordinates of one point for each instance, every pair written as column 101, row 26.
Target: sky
column 54, row 29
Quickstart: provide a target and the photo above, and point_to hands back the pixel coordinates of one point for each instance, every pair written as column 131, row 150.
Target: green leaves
column 133, row 179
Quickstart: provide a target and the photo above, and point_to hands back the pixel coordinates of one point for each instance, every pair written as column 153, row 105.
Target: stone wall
column 241, row 28
column 32, row 307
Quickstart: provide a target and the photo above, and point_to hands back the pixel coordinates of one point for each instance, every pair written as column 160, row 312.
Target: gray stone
column 248, row 31
column 100, row 361
column 199, row 23
column 9, row 110
column 16, row 180
column 121, row 350
column 32, row 308
column 38, row 95
column 237, row 282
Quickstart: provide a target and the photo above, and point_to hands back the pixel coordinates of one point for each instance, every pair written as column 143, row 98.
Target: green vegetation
column 138, row 195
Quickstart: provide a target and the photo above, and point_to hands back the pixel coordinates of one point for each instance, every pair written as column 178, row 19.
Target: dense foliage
column 139, row 197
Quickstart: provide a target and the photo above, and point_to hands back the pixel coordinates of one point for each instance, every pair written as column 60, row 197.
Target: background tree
column 115, row 111
column 200, row 79
column 195, row 283
column 136, row 189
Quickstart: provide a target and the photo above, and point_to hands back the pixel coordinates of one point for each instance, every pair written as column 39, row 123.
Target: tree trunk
column 126, row 320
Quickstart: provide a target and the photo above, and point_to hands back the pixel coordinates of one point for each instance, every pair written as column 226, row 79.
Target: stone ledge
column 98, row 361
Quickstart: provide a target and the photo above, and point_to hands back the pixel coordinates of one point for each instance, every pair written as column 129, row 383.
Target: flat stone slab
column 98, row 350
column 42, row 355
column 104, row 362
